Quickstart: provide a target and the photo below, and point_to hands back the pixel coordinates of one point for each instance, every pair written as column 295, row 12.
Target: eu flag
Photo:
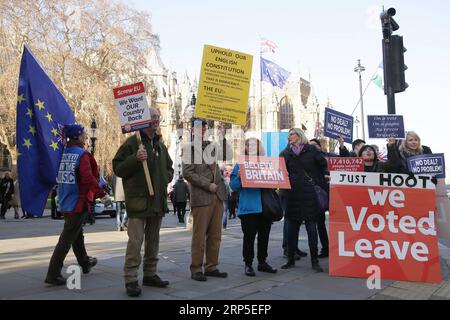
column 273, row 73
column 41, row 113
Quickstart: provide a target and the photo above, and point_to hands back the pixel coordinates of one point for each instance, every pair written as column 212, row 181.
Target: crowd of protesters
column 214, row 196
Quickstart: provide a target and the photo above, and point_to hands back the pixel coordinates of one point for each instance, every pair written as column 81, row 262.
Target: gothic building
column 271, row 109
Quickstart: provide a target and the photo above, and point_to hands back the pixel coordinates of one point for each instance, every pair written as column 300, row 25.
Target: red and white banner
column 351, row 164
column 383, row 220
column 132, row 107
column 263, row 172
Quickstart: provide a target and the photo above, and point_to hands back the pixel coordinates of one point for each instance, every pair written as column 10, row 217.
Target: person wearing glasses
column 144, row 212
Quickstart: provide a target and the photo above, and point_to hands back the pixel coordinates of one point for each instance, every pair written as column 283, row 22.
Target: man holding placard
column 145, row 211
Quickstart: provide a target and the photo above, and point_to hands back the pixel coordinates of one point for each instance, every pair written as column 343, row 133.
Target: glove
column 434, row 180
column 107, row 202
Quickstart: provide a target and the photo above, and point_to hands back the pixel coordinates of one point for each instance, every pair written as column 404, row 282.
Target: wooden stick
column 144, row 164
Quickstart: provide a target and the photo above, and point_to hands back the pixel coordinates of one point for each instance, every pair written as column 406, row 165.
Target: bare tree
column 87, row 48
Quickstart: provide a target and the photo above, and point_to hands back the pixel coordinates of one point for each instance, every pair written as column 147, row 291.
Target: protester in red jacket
column 77, row 187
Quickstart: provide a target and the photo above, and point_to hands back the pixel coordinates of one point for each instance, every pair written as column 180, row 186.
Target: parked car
column 101, row 210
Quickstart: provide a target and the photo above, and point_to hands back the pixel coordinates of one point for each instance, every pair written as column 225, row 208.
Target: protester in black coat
column 180, row 196
column 6, row 192
column 304, row 162
column 371, row 162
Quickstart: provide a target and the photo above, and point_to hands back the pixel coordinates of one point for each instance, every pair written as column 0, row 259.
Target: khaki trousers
column 206, row 236
column 138, row 229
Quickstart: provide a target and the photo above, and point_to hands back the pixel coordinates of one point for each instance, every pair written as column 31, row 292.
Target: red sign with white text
column 346, row 164
column 383, row 220
column 263, row 172
column 132, row 107
column 129, row 90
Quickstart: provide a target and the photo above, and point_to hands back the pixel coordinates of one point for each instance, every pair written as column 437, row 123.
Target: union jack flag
column 61, row 136
column 267, row 45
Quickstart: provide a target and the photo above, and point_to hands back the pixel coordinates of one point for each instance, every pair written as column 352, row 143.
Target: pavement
column 27, row 244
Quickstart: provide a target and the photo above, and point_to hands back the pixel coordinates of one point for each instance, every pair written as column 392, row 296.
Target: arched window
column 286, row 113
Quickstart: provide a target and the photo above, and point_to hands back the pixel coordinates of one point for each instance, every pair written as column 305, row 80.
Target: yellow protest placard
column 224, row 85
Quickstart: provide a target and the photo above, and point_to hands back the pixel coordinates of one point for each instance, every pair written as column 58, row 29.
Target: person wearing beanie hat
column 77, row 187
column 73, row 131
column 370, row 158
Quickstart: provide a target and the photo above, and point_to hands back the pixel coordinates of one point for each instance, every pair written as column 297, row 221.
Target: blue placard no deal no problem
column 433, row 164
column 338, row 124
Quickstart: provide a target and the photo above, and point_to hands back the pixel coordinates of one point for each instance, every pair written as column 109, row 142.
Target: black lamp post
column 93, row 135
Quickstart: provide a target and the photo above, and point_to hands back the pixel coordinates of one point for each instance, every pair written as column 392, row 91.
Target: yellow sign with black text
column 224, row 85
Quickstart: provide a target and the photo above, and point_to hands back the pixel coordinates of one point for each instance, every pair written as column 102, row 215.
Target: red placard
column 263, row 172
column 130, row 90
column 383, row 220
column 346, row 164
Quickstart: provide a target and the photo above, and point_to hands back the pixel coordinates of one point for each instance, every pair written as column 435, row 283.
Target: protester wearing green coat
column 145, row 212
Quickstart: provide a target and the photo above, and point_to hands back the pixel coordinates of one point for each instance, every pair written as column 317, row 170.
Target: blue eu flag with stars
column 41, row 113
column 273, row 73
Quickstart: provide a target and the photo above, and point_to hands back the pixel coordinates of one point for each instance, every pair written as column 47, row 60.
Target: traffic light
column 398, row 66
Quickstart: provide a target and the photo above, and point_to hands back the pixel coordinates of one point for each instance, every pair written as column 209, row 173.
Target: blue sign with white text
column 385, row 127
column 433, row 164
column 338, row 124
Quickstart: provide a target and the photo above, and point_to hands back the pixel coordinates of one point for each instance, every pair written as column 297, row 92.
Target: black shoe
column 290, row 264
column 92, row 262
column 198, row 276
column 155, row 281
column 216, row 273
column 323, row 254
column 296, row 255
column 316, row 267
column 265, row 267
column 249, row 271
column 133, row 289
column 301, row 253
column 58, row 281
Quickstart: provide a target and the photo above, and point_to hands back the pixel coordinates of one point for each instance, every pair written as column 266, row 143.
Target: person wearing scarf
column 307, row 167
